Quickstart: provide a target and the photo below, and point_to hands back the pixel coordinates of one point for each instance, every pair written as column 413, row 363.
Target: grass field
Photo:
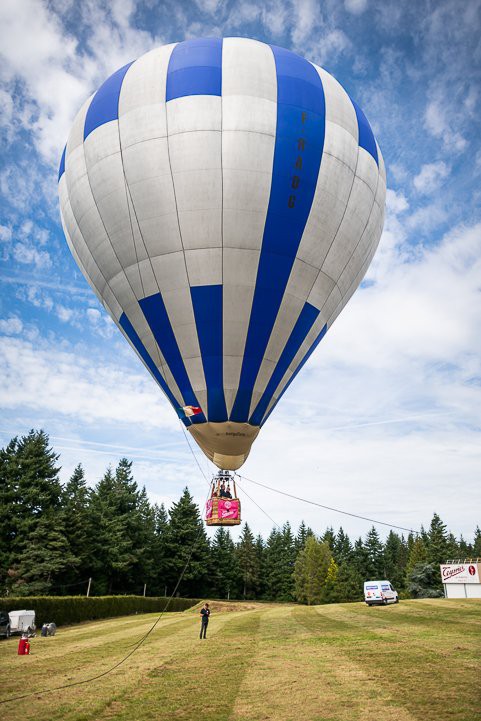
column 345, row 662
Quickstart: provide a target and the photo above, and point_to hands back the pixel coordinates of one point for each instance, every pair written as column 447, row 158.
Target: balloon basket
column 223, row 512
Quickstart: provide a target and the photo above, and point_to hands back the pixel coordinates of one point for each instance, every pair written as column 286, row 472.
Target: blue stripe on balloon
column 61, row 169
column 105, row 103
column 195, row 68
column 299, row 367
column 299, row 140
column 156, row 315
column 366, row 136
column 207, row 304
column 298, row 335
column 144, row 354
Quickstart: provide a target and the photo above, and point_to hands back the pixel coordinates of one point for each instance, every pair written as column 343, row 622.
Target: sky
column 384, row 421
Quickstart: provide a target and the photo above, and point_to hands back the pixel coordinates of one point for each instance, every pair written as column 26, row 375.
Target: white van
column 377, row 593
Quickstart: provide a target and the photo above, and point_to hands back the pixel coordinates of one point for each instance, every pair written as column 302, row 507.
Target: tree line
column 54, row 537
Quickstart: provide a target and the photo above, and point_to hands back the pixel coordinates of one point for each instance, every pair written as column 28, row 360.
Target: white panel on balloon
column 339, row 108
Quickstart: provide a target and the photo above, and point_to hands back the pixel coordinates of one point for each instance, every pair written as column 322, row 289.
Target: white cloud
column 307, row 15
column 356, row 7
column 396, row 202
column 427, row 218
column 437, row 123
column 53, row 381
column 64, row 314
column 431, row 176
column 11, row 325
column 5, row 233
column 26, row 254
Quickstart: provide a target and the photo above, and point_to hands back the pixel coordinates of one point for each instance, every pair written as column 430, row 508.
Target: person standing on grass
column 204, row 613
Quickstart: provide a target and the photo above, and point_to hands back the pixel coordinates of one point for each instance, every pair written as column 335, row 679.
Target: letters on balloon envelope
column 224, row 199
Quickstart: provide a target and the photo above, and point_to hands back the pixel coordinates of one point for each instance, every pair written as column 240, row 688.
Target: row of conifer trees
column 54, row 537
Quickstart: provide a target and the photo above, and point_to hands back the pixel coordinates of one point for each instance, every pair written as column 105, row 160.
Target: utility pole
column 88, row 587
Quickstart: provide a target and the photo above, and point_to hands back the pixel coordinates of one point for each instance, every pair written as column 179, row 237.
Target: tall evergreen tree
column 395, row 560
column 342, row 547
column 477, row 543
column 79, row 530
column 279, row 564
column 374, row 555
column 159, row 550
column 417, row 556
column 438, row 546
column 224, row 565
column 310, row 571
column 330, row 589
column 10, row 509
column 187, row 547
column 44, row 560
column 302, row 535
column 248, row 564
column 349, row 583
column 36, row 516
column 329, row 537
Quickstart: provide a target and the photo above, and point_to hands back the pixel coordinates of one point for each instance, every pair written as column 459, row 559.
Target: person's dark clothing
column 227, row 494
column 205, row 613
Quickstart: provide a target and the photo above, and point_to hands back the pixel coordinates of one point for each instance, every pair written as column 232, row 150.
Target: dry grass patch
column 343, row 662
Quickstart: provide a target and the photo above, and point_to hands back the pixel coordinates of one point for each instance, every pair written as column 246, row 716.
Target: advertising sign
column 460, row 572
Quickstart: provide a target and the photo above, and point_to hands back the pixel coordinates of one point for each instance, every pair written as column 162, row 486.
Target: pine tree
column 329, row 537
column 477, row 543
column 78, row 530
column 36, row 515
column 248, row 563
column 279, row 564
column 159, row 551
column 187, row 547
column 342, row 547
column 360, row 559
column 310, row 571
column 259, row 584
column 9, row 509
column 44, row 559
column 330, row 589
column 349, row 583
column 438, row 546
column 395, row 560
column 302, row 535
column 465, row 549
column 224, row 565
column 417, row 556
column 374, row 555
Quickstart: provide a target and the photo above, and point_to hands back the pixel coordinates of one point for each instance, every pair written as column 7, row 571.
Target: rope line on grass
column 128, row 655
column 329, row 508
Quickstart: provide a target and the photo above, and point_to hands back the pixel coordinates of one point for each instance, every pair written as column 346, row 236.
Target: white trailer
column 22, row 621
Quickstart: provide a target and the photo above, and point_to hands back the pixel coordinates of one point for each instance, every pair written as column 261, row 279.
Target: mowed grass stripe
column 63, row 658
column 341, row 662
column 201, row 681
column 299, row 676
column 89, row 700
column 430, row 665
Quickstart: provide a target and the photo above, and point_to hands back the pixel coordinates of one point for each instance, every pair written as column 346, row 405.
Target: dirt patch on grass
column 232, row 606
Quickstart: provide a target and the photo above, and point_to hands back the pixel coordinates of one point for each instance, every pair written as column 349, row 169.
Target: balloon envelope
column 224, row 199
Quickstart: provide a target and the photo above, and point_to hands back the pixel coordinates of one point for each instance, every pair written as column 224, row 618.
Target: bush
column 64, row 610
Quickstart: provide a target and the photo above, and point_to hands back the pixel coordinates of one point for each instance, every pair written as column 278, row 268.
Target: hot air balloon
column 224, row 199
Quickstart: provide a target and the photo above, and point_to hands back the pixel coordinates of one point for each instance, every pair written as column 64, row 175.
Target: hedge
column 73, row 609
